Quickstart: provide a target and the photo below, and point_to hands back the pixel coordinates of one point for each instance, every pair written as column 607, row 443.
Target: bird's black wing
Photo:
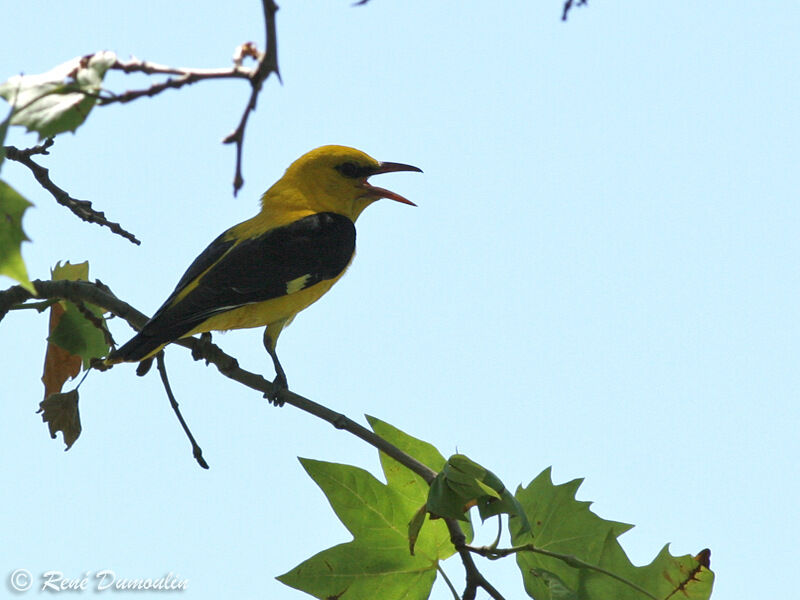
column 206, row 259
column 280, row 261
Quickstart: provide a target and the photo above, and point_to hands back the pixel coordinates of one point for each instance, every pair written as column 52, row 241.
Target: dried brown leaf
column 60, row 412
column 59, row 364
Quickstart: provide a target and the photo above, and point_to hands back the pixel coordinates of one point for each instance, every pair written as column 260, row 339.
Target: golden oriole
column 267, row 269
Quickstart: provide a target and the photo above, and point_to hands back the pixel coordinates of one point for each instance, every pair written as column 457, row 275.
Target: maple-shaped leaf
column 12, row 207
column 377, row 563
column 563, row 525
column 60, row 412
column 60, row 99
column 80, row 331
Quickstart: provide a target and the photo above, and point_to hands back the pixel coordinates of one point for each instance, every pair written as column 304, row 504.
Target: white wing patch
column 297, row 284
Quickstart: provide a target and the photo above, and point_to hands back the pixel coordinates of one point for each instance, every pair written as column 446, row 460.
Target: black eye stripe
column 353, row 170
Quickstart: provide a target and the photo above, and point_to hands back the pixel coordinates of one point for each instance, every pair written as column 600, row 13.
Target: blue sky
column 602, row 276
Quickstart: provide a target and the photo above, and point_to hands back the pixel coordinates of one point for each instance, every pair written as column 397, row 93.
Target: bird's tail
column 136, row 349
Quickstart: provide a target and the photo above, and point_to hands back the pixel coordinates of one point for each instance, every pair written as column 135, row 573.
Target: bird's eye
column 351, row 169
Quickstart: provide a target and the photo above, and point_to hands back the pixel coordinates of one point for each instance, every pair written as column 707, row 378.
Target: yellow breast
column 259, row 314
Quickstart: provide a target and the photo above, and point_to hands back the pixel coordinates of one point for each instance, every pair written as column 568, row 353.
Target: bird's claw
column 279, row 385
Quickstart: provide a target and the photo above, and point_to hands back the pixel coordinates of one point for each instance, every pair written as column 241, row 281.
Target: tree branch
column 28, row 152
column 267, row 63
column 100, row 295
column 474, row 577
column 81, row 208
column 197, row 452
column 185, row 77
column 568, row 7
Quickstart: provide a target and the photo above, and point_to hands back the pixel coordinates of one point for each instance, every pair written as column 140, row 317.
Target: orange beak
column 389, row 167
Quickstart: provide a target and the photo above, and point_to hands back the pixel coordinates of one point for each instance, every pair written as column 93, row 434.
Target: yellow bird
column 267, row 269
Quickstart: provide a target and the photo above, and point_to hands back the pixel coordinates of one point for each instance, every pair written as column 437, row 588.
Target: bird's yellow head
column 334, row 178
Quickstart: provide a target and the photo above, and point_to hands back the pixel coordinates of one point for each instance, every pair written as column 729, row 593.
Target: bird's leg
column 279, row 382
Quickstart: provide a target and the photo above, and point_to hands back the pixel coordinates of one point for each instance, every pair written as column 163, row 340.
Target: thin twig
column 267, row 64
column 43, row 148
column 162, row 370
column 569, row 559
column 81, row 208
column 134, row 65
column 185, row 77
column 568, row 7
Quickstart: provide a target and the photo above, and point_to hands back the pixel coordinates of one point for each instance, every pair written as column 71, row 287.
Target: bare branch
column 81, row 208
column 568, row 6
column 229, row 366
column 162, row 370
column 100, row 295
column 40, row 149
column 267, row 64
column 185, row 77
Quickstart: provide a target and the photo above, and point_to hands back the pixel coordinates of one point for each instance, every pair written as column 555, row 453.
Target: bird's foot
column 205, row 339
column 279, row 386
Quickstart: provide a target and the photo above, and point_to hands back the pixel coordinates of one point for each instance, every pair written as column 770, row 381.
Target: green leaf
column 463, row 483
column 377, row 563
column 70, row 272
column 409, row 483
column 565, row 526
column 60, row 99
column 356, row 571
column 75, row 332
column 12, row 207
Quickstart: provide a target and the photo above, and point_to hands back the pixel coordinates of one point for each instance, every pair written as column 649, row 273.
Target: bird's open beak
column 390, row 167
